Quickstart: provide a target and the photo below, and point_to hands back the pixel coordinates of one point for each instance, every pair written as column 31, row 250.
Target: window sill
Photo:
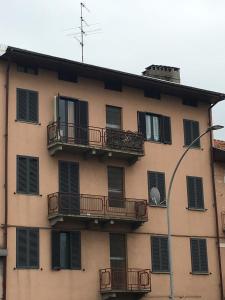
column 157, row 142
column 28, row 122
column 194, row 147
column 197, row 209
column 27, row 268
column 161, row 272
column 27, row 194
column 159, row 206
column 199, row 273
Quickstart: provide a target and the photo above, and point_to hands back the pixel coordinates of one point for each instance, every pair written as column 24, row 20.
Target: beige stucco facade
column 32, row 211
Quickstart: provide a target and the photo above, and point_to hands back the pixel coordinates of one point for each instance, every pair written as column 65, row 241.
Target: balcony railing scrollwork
column 95, row 137
column 94, row 206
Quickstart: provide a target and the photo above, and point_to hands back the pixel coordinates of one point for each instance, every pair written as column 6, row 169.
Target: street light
column 209, row 129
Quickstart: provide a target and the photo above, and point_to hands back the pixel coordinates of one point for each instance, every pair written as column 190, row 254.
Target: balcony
column 223, row 220
column 99, row 209
column 116, row 283
column 95, row 141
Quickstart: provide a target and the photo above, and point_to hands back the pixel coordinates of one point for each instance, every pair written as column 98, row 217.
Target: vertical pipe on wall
column 5, row 228
column 215, row 203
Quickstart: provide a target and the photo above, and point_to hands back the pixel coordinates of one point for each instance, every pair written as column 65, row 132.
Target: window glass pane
column 156, row 128
column 64, row 250
column 113, row 117
column 148, row 127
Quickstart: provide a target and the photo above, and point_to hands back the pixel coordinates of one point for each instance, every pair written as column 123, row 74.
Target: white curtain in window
column 156, row 128
column 148, row 127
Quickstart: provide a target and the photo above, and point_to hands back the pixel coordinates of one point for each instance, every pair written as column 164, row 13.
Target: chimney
column 163, row 72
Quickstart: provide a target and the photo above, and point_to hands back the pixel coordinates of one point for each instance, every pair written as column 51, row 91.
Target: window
column 191, row 132
column 116, row 186
column 190, row 102
column 195, row 192
column 113, row 117
column 67, row 76
column 27, row 69
column 152, row 93
column 199, row 256
column 27, row 106
column 155, row 127
column 160, row 259
column 66, row 250
column 113, row 84
column 27, row 248
column 156, row 188
column 27, row 175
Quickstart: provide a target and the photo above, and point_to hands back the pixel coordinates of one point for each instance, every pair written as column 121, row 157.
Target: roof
column 162, row 67
column 219, row 150
column 91, row 71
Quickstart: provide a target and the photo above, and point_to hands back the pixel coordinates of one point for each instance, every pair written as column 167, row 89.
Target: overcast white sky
column 189, row 34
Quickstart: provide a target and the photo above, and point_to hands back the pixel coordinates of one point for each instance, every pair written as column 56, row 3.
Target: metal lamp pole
column 215, row 127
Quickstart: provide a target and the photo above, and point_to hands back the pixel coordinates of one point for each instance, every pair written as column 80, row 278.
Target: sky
column 189, row 34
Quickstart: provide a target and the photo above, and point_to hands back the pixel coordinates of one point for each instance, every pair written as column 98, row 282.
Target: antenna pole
column 82, row 31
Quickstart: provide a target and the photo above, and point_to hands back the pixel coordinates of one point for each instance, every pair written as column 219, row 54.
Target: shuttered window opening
column 155, row 127
column 116, row 186
column 67, row 76
column 27, row 248
column 160, row 259
column 27, row 175
column 195, row 192
column 33, row 70
column 190, row 102
column 113, row 117
column 156, row 188
column 113, row 84
column 66, row 250
column 199, row 256
column 191, row 132
column 27, row 106
column 152, row 93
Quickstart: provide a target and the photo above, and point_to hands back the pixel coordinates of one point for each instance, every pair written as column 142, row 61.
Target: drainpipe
column 215, row 204
column 5, row 228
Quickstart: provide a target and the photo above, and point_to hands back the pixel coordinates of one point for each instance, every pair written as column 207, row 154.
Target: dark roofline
column 218, row 155
column 100, row 73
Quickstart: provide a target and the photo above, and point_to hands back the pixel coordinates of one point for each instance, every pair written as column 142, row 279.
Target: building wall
column 220, row 194
column 27, row 210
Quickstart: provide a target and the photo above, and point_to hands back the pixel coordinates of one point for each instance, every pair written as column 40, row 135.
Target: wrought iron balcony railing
column 130, row 280
column 223, row 220
column 95, row 138
column 96, row 207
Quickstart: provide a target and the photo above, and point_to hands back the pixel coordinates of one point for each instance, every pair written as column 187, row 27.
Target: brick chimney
column 163, row 72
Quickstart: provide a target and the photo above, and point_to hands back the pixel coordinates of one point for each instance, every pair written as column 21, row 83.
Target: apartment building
column 219, row 171
column 86, row 155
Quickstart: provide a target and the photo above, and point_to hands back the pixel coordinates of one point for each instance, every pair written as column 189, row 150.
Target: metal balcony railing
column 95, row 137
column 130, row 280
column 99, row 207
column 223, row 220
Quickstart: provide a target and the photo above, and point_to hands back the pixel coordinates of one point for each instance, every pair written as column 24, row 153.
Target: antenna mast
column 82, row 31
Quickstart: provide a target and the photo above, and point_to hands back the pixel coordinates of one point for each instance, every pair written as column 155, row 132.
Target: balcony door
column 116, row 187
column 118, row 261
column 69, row 188
column 73, row 117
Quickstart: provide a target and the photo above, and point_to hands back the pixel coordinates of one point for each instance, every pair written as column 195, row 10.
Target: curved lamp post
column 215, row 127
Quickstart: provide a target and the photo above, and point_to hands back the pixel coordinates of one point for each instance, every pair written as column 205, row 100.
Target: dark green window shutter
column 27, row 248
column 191, row 132
column 195, row 192
column 55, row 250
column 27, row 105
column 33, row 175
column 32, row 106
column 157, row 180
column 142, row 123
column 160, row 260
column 165, row 130
column 199, row 256
column 82, row 133
column 75, row 250
column 33, row 248
column 22, row 176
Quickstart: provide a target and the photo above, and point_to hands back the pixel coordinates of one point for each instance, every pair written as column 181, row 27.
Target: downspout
column 215, row 203
column 5, row 229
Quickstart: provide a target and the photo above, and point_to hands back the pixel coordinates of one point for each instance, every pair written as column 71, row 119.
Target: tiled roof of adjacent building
column 218, row 144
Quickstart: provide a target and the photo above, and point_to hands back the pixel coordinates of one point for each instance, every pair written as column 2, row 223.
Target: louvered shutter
column 55, row 250
column 22, row 174
column 32, row 106
column 75, row 250
column 203, row 256
column 165, row 130
column 142, row 123
column 64, row 177
column 195, row 133
column 22, row 108
column 199, row 193
column 160, row 259
column 187, row 132
column 83, row 121
column 155, row 246
column 33, row 248
column 164, row 254
column 199, row 256
column 195, row 192
column 21, row 248
column 33, row 175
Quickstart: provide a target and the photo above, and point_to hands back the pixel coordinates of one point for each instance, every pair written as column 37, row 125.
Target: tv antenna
column 82, row 29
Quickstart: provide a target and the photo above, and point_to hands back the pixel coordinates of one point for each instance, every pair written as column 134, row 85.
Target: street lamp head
column 215, row 127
